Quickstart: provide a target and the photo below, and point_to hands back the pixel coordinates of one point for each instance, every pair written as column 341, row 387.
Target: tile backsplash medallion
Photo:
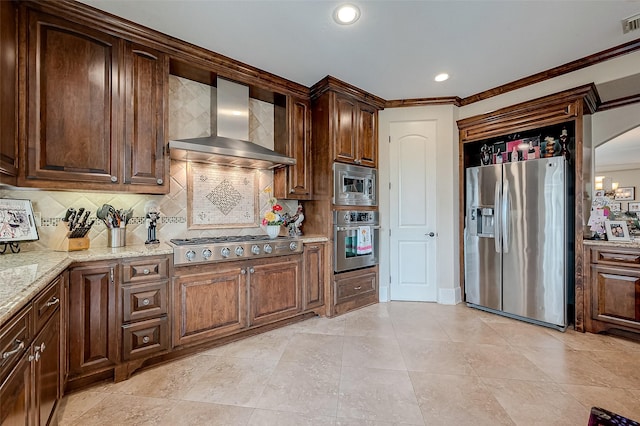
column 191, row 114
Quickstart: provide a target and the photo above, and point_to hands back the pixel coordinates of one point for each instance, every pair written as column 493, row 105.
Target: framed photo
column 617, row 230
column 598, row 193
column 634, row 207
column 625, row 194
column 615, row 207
column 16, row 221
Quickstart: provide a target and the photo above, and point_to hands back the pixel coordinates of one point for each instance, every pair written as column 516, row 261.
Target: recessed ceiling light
column 442, row 77
column 346, row 14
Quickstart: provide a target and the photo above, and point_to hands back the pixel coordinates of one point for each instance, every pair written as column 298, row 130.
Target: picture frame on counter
column 615, row 207
column 634, row 207
column 626, row 193
column 17, row 222
column 617, row 230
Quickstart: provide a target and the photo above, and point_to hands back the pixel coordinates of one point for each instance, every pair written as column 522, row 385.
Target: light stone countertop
column 23, row 275
column 634, row 243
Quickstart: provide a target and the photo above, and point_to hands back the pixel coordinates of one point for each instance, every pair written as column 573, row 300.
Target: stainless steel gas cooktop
column 218, row 249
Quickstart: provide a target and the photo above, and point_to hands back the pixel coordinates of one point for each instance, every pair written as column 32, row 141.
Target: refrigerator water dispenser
column 482, row 222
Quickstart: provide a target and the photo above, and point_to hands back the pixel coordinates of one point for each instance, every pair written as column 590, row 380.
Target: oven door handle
column 354, row 228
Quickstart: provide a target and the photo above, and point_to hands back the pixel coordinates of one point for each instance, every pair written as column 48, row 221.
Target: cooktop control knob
column 190, row 255
column 255, row 249
column 239, row 251
column 293, row 246
column 267, row 248
column 206, row 253
column 347, row 217
column 225, row 252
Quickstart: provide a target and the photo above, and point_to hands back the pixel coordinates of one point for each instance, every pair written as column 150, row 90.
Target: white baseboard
column 449, row 296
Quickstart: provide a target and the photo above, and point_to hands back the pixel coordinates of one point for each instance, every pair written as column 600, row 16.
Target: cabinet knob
column 291, row 191
column 243, row 271
column 145, row 302
column 251, row 270
column 159, row 181
column 145, row 339
column 114, row 179
column 357, row 288
column 146, row 271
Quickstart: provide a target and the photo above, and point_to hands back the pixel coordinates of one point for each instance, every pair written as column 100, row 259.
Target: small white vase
column 273, row 231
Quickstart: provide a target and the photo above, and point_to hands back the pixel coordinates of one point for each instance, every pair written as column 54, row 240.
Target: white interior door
column 412, row 214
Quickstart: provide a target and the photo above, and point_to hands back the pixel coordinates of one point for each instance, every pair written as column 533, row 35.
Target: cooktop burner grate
column 229, row 239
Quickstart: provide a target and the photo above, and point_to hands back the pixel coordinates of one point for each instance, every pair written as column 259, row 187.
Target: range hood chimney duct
column 230, row 145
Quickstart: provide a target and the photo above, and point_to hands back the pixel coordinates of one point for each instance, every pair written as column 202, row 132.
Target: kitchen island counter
column 23, row 275
column 634, row 243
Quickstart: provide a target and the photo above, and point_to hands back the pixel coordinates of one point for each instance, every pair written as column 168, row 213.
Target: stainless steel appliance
column 516, row 240
column 218, row 249
column 356, row 238
column 354, row 185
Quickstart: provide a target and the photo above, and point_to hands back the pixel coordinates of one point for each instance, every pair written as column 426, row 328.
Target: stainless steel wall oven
column 356, row 238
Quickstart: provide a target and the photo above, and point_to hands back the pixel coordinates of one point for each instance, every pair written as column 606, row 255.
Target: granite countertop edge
column 24, row 275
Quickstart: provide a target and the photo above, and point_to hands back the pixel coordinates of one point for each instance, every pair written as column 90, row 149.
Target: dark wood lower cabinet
column 612, row 296
column 314, row 276
column 275, row 289
column 354, row 289
column 29, row 394
column 92, row 330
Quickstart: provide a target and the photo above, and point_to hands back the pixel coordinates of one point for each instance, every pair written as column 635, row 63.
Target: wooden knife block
column 60, row 240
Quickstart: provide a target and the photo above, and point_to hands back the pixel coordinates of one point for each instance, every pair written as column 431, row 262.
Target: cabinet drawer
column 354, row 287
column 143, row 301
column 15, row 337
column 146, row 269
column 143, row 338
column 46, row 304
column 630, row 258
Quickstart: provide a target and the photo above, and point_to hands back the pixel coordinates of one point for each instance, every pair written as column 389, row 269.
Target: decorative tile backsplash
column 191, row 114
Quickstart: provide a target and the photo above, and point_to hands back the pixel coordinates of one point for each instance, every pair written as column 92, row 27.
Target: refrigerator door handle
column 505, row 217
column 497, row 237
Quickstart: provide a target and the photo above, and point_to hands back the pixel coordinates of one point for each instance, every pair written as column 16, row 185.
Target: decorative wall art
column 625, row 194
column 220, row 197
column 634, row 207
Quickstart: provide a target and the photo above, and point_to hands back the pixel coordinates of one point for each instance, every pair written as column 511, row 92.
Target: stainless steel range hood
column 230, row 146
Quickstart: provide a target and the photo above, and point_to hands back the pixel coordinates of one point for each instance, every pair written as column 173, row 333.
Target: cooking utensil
column 67, row 215
column 83, row 221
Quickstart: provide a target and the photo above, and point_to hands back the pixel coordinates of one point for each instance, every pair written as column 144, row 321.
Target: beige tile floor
column 387, row 364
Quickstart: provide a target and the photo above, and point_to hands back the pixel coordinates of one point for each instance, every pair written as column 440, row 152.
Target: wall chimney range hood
column 230, row 146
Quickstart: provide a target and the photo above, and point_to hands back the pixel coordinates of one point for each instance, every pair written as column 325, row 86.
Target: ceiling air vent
column 631, row 23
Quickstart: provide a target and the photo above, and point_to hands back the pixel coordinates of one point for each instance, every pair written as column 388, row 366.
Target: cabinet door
column 208, row 303
column 73, row 129
column 92, row 334
column 15, row 394
column 313, row 288
column 146, row 74
column 367, row 136
column 274, row 289
column 616, row 295
column 47, row 370
column 8, row 92
column 345, row 130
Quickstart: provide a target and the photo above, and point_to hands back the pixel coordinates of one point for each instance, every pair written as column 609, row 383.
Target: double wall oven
column 356, row 233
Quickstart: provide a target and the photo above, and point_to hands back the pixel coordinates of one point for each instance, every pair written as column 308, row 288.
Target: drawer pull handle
column 145, row 339
column 145, row 302
column 357, row 288
column 42, row 347
column 53, row 301
column 19, row 347
column 146, row 271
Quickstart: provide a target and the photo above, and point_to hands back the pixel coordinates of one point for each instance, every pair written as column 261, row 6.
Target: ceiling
column 397, row 47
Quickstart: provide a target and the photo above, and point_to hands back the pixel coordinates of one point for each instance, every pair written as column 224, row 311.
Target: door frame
column 448, row 250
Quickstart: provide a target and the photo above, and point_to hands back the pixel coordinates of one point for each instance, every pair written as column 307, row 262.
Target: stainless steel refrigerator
column 516, row 240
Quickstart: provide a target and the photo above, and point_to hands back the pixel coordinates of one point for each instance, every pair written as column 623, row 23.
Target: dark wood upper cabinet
column 94, row 109
column 356, row 132
column 146, row 87
column 294, row 182
column 8, row 93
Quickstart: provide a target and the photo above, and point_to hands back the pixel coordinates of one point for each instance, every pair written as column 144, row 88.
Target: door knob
column 430, row 234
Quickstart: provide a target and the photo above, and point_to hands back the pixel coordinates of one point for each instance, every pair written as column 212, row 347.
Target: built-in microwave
column 354, row 185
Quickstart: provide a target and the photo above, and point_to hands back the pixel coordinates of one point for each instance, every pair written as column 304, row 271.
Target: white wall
column 611, row 123
column 448, row 276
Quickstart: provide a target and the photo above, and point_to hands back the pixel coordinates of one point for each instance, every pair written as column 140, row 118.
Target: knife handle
column 67, row 215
